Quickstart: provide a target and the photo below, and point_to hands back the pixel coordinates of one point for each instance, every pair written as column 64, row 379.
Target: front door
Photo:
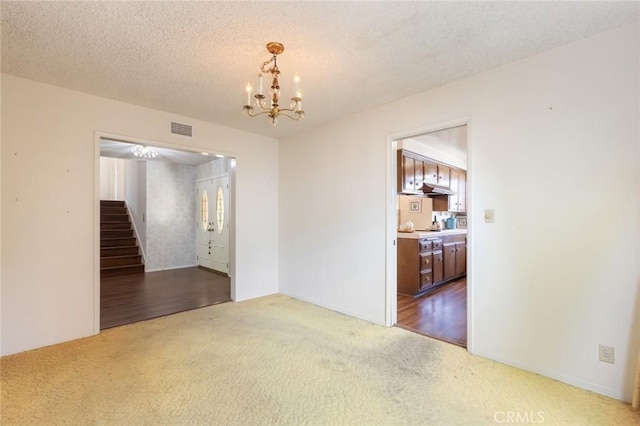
column 212, row 223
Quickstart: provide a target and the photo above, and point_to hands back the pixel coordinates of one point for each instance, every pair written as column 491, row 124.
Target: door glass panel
column 204, row 210
column 220, row 209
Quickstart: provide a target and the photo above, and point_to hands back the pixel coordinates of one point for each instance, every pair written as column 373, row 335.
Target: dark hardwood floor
column 132, row 298
column 441, row 314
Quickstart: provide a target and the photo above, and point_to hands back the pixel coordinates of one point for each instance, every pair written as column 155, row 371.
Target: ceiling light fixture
column 273, row 109
column 144, row 151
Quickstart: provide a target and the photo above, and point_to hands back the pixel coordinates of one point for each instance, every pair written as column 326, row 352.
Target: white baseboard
column 168, row 268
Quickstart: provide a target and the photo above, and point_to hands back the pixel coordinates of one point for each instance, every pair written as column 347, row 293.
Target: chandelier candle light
column 274, row 110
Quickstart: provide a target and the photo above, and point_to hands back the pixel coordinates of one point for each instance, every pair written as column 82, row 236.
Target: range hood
column 430, row 189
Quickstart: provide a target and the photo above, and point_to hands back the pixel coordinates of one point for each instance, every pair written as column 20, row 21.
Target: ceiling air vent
column 181, row 129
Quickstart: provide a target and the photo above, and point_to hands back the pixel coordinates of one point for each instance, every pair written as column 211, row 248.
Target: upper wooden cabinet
column 435, row 173
column 414, row 170
column 462, row 191
column 458, row 202
column 410, row 172
column 430, row 172
column 444, row 175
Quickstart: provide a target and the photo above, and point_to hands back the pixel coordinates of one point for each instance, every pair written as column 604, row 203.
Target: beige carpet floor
column 276, row 360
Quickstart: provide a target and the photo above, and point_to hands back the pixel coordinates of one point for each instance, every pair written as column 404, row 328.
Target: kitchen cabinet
column 455, row 257
column 461, row 258
column 426, row 273
column 430, row 172
column 454, row 181
column 418, row 174
column 449, row 254
column 462, row 191
column 414, row 170
column 427, row 263
column 436, row 173
column 438, row 263
column 458, row 202
column 415, row 265
column 410, row 172
column 406, row 179
column 444, row 173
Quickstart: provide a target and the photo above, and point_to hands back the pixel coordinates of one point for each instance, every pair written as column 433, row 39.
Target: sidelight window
column 220, row 209
column 204, row 210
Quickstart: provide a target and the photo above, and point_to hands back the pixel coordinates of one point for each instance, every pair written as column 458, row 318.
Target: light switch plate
column 489, row 216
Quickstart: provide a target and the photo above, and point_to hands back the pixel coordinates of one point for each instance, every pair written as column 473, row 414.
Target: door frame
column 232, row 157
column 391, row 280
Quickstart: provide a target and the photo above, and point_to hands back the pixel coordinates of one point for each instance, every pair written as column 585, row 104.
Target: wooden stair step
column 118, row 251
column 114, row 217
column 111, row 203
column 116, row 233
column 115, row 225
column 113, row 210
column 126, row 260
column 117, row 242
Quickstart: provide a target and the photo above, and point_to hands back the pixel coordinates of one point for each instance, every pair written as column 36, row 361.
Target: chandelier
column 272, row 108
column 144, row 151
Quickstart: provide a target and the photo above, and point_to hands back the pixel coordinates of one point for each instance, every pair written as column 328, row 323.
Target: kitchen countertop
column 428, row 234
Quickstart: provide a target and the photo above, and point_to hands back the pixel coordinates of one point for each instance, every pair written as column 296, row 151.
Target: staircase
column 119, row 253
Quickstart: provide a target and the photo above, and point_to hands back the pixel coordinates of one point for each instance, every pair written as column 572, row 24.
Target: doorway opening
column 430, row 199
column 153, row 199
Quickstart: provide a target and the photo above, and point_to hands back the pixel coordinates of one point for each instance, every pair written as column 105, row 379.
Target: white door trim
column 212, row 177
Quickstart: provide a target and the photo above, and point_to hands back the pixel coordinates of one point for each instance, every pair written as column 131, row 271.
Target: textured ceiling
column 195, row 58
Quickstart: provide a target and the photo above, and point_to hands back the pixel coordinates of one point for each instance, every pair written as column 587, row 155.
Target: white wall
column 135, row 194
column 554, row 149
column 171, row 215
column 106, row 177
column 50, row 207
column 112, row 180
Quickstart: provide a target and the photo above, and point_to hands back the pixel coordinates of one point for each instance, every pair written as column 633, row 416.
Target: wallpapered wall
column 171, row 211
column 217, row 167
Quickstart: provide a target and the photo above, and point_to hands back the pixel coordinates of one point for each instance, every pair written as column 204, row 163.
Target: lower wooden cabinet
column 426, row 280
column 461, row 258
column 449, row 250
column 438, row 267
column 424, row 264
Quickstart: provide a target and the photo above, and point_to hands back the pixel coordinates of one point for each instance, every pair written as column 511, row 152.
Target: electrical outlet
column 606, row 354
